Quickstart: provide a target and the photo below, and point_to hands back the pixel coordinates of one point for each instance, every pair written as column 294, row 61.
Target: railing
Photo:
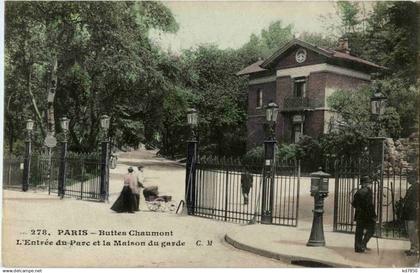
column 388, row 197
column 12, row 172
column 82, row 179
column 220, row 191
column 300, row 104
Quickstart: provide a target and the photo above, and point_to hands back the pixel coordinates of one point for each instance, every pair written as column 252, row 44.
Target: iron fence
column 389, row 189
column 219, row 192
column 12, row 172
column 82, row 176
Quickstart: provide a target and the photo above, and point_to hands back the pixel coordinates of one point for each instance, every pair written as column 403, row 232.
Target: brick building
column 298, row 78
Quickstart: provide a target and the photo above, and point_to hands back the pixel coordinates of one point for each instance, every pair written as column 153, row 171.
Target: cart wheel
column 153, row 206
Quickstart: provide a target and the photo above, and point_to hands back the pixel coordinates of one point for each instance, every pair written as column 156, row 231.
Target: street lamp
column 376, row 144
column 28, row 154
column 64, row 123
column 271, row 112
column 105, row 120
column 192, row 119
column 105, row 151
column 378, row 103
column 29, row 125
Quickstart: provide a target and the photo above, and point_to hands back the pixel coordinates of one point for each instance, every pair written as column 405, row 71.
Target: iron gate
column 389, row 188
column 218, row 191
column 13, row 172
column 82, row 178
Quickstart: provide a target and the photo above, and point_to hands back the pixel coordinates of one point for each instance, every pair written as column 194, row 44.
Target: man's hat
column 130, row 169
column 365, row 180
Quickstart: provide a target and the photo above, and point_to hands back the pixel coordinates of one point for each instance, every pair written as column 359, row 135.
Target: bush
column 289, row 152
column 253, row 156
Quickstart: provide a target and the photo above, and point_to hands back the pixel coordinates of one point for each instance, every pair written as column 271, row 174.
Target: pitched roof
column 255, row 67
column 329, row 53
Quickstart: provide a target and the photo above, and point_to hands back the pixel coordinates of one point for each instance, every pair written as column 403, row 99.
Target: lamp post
column 378, row 104
column 192, row 119
column 104, row 187
column 28, row 154
column 267, row 201
column 319, row 190
column 64, row 123
column 377, row 147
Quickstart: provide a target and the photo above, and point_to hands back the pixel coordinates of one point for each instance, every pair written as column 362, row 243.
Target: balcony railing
column 299, row 104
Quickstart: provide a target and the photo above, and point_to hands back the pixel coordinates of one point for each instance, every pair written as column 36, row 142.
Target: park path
column 24, row 212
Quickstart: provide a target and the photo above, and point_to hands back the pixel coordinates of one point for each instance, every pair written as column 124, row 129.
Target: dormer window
column 259, row 98
column 299, row 87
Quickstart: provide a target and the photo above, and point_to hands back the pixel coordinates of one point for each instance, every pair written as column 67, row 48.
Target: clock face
column 300, row 55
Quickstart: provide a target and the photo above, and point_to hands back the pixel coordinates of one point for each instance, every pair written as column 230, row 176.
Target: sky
column 230, row 24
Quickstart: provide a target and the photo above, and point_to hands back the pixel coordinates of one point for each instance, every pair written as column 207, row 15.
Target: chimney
column 343, row 45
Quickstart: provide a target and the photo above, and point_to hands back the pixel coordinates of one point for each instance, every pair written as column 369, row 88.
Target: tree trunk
column 51, row 96
column 33, row 100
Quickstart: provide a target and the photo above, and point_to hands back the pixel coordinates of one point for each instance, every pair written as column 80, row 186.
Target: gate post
column 104, row 169
column 27, row 162
column 28, row 155
column 104, row 183
column 192, row 119
column 190, row 177
column 62, row 172
column 376, row 154
column 268, row 182
column 62, row 169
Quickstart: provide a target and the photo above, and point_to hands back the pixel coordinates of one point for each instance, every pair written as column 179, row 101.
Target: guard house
column 298, row 78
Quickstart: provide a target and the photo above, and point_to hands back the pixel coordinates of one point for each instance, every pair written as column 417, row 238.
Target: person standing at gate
column 126, row 202
column 139, row 184
column 246, row 185
column 409, row 213
column 365, row 215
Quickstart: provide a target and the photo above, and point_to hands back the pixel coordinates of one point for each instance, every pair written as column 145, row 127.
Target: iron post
column 268, row 181
column 319, row 190
column 63, row 168
column 104, row 187
column 190, row 171
column 317, row 231
column 27, row 162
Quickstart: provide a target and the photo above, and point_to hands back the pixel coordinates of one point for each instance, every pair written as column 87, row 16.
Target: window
column 259, row 98
column 297, row 132
column 300, row 87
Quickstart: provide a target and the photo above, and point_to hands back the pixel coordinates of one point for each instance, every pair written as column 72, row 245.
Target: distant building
column 298, row 78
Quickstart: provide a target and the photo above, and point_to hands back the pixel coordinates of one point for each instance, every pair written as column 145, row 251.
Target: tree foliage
column 106, row 65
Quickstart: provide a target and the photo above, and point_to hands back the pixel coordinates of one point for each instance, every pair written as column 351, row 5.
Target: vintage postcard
column 208, row 134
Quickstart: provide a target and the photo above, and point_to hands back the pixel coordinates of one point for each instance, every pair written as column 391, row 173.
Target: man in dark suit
column 365, row 215
column 246, row 185
column 410, row 213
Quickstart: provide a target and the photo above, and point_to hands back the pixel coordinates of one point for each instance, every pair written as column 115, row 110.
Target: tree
column 267, row 42
column 318, row 39
column 220, row 98
column 386, row 35
column 105, row 64
column 353, row 124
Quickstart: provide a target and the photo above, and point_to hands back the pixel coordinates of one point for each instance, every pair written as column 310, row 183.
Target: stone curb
column 283, row 257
